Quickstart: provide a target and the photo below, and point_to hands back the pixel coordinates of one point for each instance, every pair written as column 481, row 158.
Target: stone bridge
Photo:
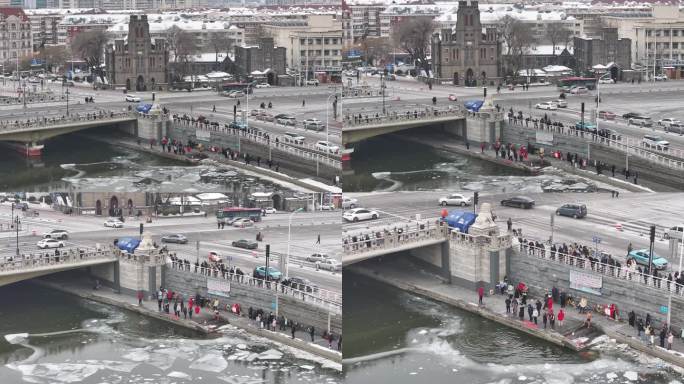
column 26, row 267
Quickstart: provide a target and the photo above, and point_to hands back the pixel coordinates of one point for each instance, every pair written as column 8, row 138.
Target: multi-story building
column 44, row 26
column 262, row 57
column 468, row 53
column 15, row 35
column 314, row 47
column 138, row 62
column 605, row 49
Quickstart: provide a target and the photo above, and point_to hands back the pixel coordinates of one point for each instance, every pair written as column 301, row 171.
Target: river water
column 76, row 161
column 77, row 341
column 397, row 337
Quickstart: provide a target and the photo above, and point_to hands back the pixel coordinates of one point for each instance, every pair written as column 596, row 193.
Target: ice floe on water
column 179, row 375
column 16, row 338
column 211, row 362
column 57, row 372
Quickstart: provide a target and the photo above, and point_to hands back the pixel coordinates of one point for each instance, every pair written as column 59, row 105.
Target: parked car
column 50, row 243
column 642, row 121
column 316, row 257
column 360, row 214
column 263, row 85
column 576, row 211
column 661, row 77
column 174, row 238
column 59, row 234
column 561, row 103
column 585, row 126
column 607, row 115
column 548, row 105
column 667, row 121
column 579, row 90
column 675, row 127
column 312, row 82
column 455, row 199
column 273, row 273
column 132, row 98
column 330, row 265
column 518, row 201
column 640, row 256
column 113, row 223
column 326, row 146
column 606, row 80
column 655, row 142
column 675, row 231
column 313, row 124
column 349, row 203
column 246, row 244
column 270, row 210
column 301, row 284
column 243, row 223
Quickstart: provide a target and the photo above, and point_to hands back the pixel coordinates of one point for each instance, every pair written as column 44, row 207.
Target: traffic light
column 268, row 255
column 485, row 92
column 476, row 196
column 582, row 107
column 141, row 229
column 653, row 230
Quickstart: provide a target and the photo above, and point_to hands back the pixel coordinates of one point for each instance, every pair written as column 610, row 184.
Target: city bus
column 569, row 82
column 224, row 215
column 227, row 87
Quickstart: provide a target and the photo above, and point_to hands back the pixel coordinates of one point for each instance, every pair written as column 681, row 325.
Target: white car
column 243, row 223
column 326, row 146
column 606, row 80
column 579, row 90
column 270, row 210
column 59, row 234
column 329, row 264
column 132, row 98
column 548, row 105
column 655, row 142
column 113, row 223
column 313, row 124
column 236, row 94
column 360, row 214
column 455, row 199
column 312, row 82
column 560, row 103
column 660, row 77
column 349, row 203
column 263, row 85
column 50, row 243
column 666, row 122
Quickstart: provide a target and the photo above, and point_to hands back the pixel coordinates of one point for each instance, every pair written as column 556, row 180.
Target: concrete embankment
column 149, row 309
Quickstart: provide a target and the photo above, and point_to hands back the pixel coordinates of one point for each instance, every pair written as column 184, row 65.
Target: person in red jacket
column 480, row 293
column 561, row 317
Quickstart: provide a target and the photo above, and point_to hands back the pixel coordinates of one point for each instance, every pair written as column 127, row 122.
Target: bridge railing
column 9, row 125
column 594, row 265
column 26, row 262
column 318, row 297
column 393, row 236
column 306, row 151
column 628, row 145
column 498, row 242
column 394, row 117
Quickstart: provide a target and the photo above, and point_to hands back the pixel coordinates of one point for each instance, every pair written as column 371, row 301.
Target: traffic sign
column 596, row 239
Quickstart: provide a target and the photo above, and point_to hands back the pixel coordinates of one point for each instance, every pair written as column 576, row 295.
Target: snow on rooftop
column 211, row 196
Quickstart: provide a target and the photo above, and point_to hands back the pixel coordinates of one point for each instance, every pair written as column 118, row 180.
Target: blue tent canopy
column 461, row 220
column 473, row 105
column 128, row 244
column 144, row 108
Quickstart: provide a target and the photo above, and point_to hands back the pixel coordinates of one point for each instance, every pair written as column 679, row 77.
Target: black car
column 246, row 244
column 518, row 201
column 302, row 284
column 630, row 115
column 174, row 238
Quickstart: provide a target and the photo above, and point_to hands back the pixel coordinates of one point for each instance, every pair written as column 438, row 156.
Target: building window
column 675, row 45
column 658, row 33
column 302, row 41
column 648, row 33
column 675, row 32
column 666, row 33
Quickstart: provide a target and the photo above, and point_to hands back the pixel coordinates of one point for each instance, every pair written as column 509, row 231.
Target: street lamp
column 327, row 119
column 17, row 224
column 289, row 227
column 67, row 101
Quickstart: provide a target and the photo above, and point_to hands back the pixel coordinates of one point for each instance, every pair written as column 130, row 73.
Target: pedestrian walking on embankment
column 480, row 294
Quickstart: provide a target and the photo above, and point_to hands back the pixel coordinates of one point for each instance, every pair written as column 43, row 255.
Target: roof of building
column 13, row 11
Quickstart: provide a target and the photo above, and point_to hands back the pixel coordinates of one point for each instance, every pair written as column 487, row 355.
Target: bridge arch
column 113, row 206
column 98, row 208
column 455, row 78
column 277, row 201
column 140, row 83
column 130, row 207
column 469, row 78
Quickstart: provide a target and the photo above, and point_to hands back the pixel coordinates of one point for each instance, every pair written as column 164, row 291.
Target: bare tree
column 89, row 46
column 220, row 43
column 558, row 34
column 182, row 46
column 505, row 27
column 375, row 48
column 518, row 39
column 412, row 35
column 55, row 56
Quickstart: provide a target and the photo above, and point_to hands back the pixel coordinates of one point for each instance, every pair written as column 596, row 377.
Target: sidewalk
column 202, row 322
column 394, row 272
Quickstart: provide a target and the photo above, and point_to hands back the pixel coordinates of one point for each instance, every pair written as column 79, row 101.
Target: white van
column 655, row 142
column 293, row 138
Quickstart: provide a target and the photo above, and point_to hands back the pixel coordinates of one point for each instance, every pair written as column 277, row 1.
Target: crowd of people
column 27, row 260
column 360, row 118
column 377, row 237
column 45, row 121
